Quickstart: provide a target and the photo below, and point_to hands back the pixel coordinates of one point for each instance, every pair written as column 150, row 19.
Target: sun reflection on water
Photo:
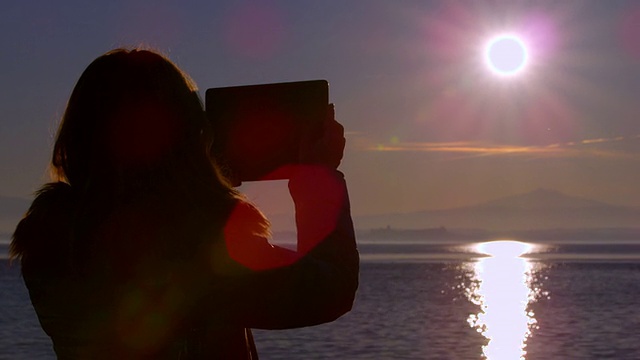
column 503, row 292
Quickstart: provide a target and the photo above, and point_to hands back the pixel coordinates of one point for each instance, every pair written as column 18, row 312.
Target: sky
column 429, row 126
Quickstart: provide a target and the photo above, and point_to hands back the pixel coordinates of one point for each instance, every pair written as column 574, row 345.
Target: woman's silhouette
column 141, row 249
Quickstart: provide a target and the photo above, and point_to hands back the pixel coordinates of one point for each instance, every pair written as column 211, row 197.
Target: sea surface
column 442, row 300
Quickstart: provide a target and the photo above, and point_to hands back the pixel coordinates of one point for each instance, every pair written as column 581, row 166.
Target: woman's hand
column 319, row 191
column 328, row 149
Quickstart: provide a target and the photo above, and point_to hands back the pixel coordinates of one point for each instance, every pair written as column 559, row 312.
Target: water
column 442, row 301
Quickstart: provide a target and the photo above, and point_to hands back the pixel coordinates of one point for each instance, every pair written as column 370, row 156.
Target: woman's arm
column 318, row 282
column 271, row 287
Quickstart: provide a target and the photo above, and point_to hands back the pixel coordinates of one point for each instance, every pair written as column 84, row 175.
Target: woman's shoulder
column 55, row 190
column 52, row 202
column 48, row 216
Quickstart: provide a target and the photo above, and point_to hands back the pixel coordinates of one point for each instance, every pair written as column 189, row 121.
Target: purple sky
column 428, row 125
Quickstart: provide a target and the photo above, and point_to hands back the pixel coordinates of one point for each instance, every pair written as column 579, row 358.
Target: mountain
column 542, row 199
column 11, row 210
column 538, row 209
column 535, row 210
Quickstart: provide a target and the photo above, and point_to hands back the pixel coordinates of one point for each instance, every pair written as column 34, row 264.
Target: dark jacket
column 141, row 302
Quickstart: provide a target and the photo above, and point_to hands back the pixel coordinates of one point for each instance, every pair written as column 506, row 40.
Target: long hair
column 131, row 111
column 134, row 128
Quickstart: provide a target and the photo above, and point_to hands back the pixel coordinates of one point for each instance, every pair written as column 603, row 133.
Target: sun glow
column 506, row 55
column 504, row 248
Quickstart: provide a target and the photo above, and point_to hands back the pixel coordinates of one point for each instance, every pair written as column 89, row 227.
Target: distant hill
column 538, row 209
column 11, row 210
column 535, row 210
column 542, row 199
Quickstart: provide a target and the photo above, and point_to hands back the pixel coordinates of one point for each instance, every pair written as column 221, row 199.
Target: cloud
column 466, row 149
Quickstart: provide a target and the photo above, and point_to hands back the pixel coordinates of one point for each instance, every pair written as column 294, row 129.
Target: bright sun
column 506, row 55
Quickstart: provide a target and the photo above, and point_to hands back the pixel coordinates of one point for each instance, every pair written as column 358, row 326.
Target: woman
column 139, row 249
